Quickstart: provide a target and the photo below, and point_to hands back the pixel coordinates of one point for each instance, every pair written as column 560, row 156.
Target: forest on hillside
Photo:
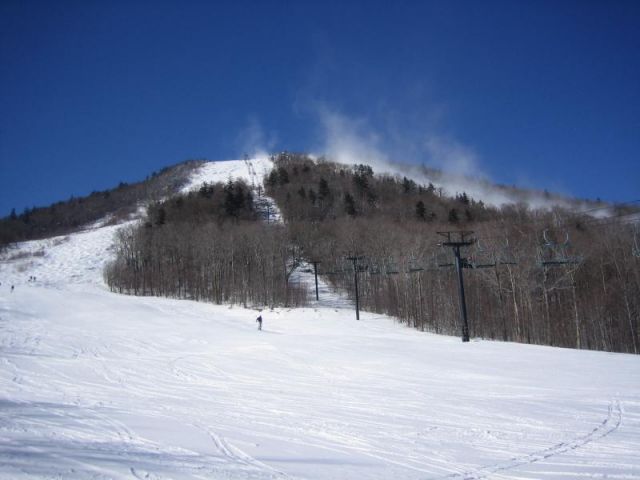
column 211, row 245
column 75, row 213
column 550, row 277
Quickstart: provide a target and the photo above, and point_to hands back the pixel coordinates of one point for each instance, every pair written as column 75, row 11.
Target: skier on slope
column 259, row 320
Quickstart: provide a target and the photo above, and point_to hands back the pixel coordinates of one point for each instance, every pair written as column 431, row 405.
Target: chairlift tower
column 315, row 274
column 456, row 240
column 355, row 259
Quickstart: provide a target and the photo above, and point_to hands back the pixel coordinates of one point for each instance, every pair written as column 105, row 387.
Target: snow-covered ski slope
column 95, row 385
column 250, row 170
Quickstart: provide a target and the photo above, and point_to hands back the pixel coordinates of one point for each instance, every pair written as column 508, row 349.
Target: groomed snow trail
column 95, row 385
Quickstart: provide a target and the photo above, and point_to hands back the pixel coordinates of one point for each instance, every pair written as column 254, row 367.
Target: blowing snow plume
column 350, row 141
column 443, row 161
column 253, row 141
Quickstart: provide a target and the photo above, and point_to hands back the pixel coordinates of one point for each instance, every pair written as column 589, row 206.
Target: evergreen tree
column 238, row 198
column 349, row 204
column 408, row 185
column 161, row 216
column 468, row 215
column 229, row 199
column 363, row 170
column 361, row 175
column 206, row 190
column 272, row 179
column 360, row 181
column 323, row 189
column 421, row 210
column 26, row 215
column 283, row 175
column 463, row 198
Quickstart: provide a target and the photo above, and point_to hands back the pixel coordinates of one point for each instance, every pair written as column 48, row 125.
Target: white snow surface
column 250, row 170
column 96, row 385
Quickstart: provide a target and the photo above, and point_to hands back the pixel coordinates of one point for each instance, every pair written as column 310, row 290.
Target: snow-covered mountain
column 95, row 385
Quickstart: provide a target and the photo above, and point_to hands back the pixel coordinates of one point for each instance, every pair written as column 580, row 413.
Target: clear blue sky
column 542, row 93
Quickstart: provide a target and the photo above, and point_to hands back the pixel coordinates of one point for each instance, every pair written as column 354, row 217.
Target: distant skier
column 259, row 320
column 12, row 287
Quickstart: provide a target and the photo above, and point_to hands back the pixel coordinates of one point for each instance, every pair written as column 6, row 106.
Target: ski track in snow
column 606, row 427
column 95, row 385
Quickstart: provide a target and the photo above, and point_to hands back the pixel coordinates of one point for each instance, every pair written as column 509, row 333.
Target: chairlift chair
column 443, row 258
column 506, row 256
column 390, row 267
column 414, row 266
column 558, row 254
column 482, row 259
column 374, row 269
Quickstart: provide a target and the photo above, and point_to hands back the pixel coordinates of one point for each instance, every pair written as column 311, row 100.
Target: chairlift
column 558, row 254
column 374, row 269
column 390, row 267
column 414, row 266
column 337, row 270
column 506, row 256
column 333, row 272
column 443, row 258
column 551, row 243
column 482, row 259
